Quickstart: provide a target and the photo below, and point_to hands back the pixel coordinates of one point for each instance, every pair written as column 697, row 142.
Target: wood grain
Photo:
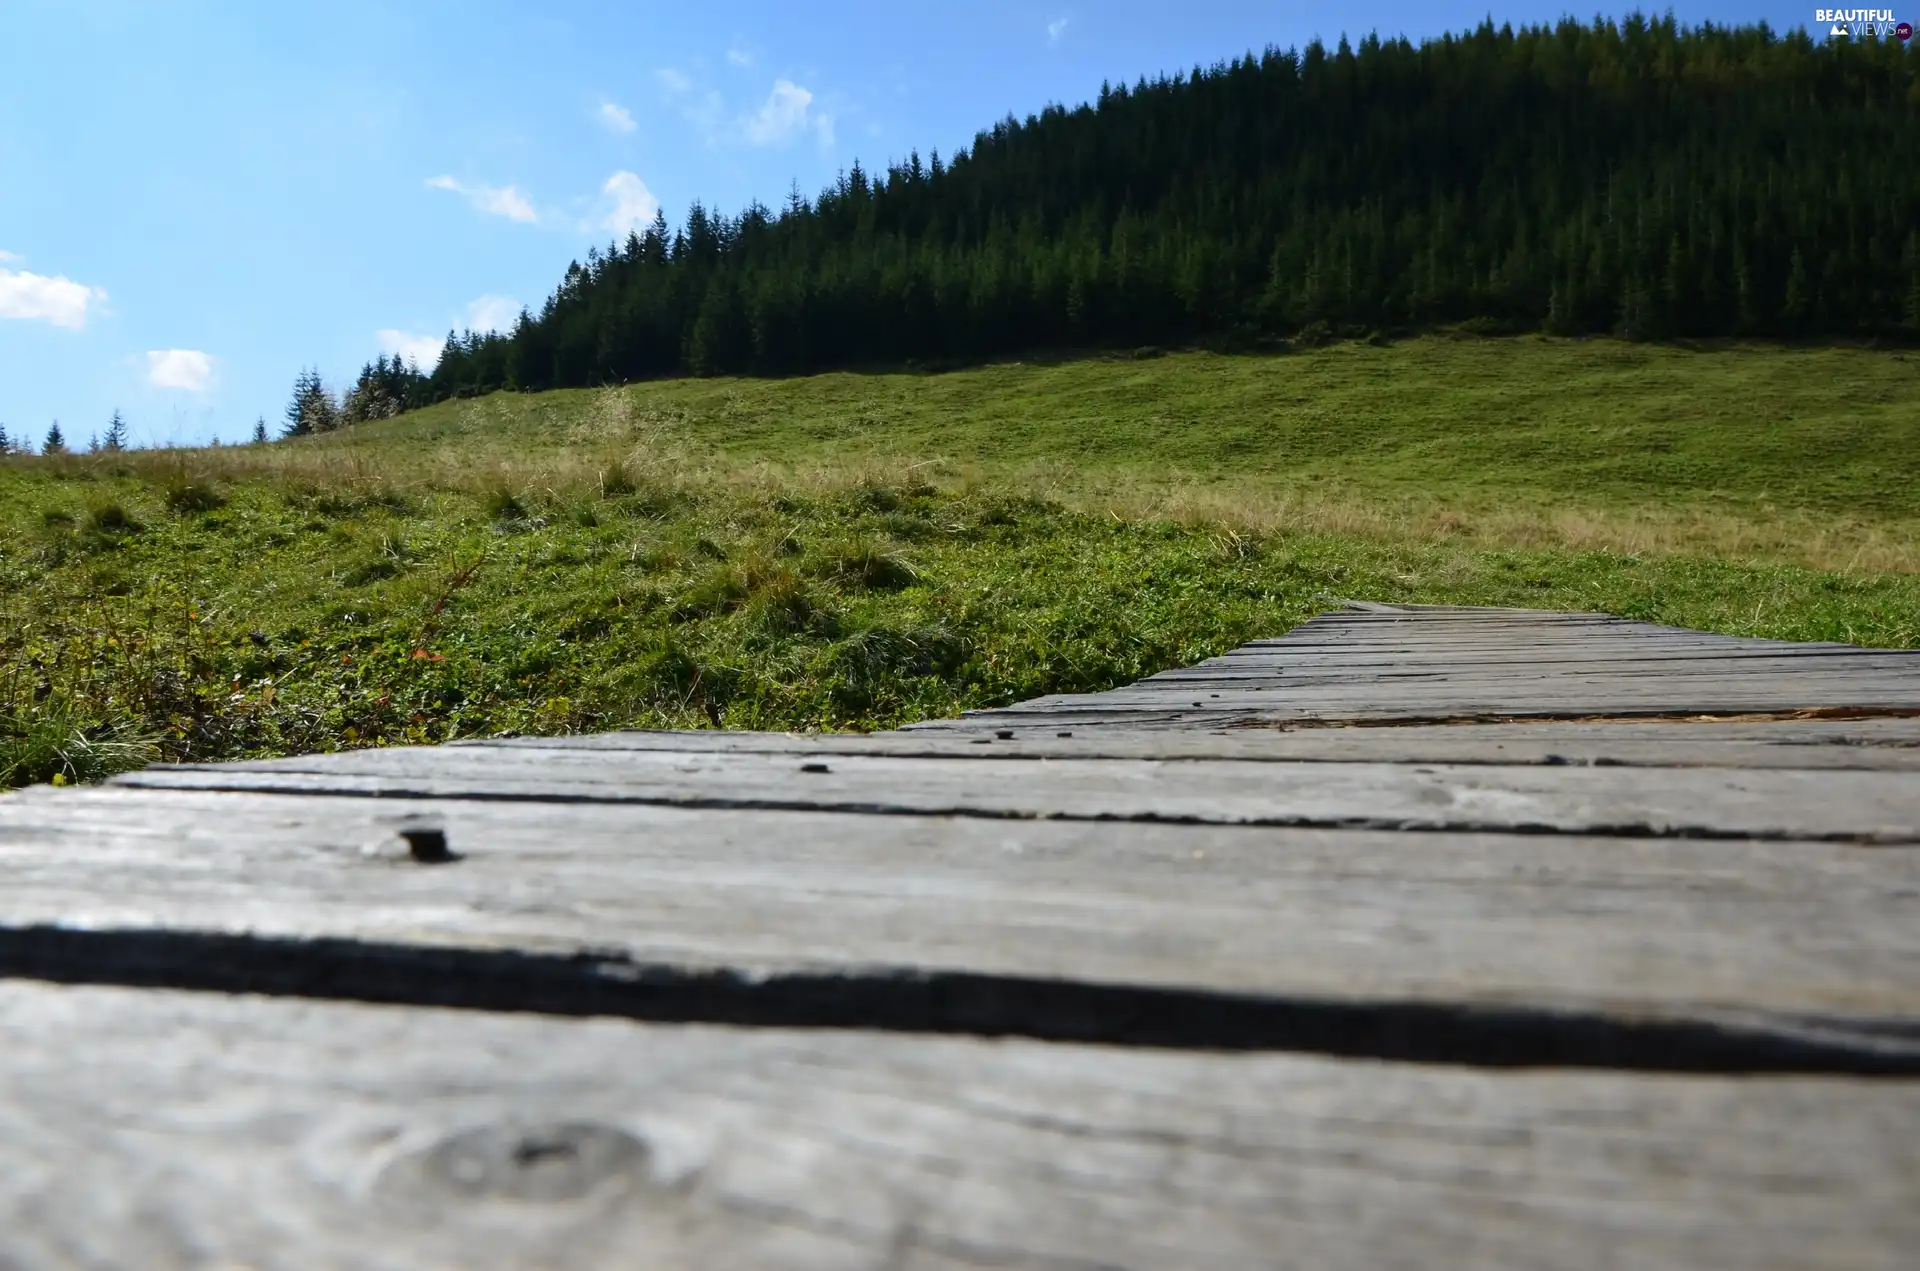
column 1847, row 806
column 1415, row 663
column 167, row 1130
column 1884, row 744
column 1774, row 936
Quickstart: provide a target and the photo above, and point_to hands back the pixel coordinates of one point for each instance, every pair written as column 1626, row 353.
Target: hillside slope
column 860, row 551
column 1636, row 177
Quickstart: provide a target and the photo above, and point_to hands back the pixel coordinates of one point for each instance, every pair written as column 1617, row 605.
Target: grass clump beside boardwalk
column 634, row 558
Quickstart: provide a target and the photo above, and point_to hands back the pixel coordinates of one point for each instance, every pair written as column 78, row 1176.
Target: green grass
column 859, row 551
column 1742, row 448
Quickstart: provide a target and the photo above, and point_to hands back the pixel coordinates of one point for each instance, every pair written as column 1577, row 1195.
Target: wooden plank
column 1883, row 744
column 1440, row 664
column 171, row 1130
column 1842, row 806
column 1770, row 938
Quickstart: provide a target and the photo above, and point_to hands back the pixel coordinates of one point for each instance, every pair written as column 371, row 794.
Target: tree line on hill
column 384, row 388
column 1637, row 178
column 114, row 439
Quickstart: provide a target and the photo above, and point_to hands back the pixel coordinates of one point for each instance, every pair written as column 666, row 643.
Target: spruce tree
column 260, row 431
column 298, row 424
column 6, row 442
column 56, row 442
column 115, row 439
column 311, row 409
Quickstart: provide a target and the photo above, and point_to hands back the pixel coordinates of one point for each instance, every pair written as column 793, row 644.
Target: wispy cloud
column 790, row 111
column 422, row 350
column 787, row 113
column 58, row 299
column 482, row 314
column 705, row 111
column 630, row 204
column 1057, row 29
column 496, row 200
column 492, row 313
column 188, row 370
column 739, row 56
column 616, row 118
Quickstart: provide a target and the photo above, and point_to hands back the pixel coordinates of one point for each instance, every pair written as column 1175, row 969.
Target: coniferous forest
column 1638, row 178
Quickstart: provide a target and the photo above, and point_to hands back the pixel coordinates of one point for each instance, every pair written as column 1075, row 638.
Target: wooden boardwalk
column 1417, row 937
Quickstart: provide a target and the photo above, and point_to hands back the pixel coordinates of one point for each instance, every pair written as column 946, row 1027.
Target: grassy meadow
column 860, row 550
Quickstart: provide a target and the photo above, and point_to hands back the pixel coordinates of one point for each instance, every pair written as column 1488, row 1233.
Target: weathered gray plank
column 1856, row 806
column 1416, row 663
column 165, row 1130
column 1770, row 935
column 1883, row 744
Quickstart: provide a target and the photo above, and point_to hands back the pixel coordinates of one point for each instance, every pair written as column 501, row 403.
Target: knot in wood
column 533, row 1163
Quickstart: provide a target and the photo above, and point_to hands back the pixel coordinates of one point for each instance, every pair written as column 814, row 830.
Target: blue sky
column 199, row 199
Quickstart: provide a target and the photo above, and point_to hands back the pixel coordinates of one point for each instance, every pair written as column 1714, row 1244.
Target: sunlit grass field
column 860, row 550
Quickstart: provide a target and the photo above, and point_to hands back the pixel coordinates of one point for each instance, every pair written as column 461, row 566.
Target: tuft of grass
column 616, row 481
column 186, row 497
column 501, row 502
column 864, row 565
column 53, row 744
column 110, row 520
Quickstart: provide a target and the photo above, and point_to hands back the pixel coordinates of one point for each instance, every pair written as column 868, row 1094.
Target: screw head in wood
column 427, row 844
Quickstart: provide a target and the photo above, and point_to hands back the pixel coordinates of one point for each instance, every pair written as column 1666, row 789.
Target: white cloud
column 59, row 300
column 483, row 314
column 788, row 112
column 1056, row 29
column 633, row 204
column 616, row 118
column 705, row 111
column 7, row 256
column 502, row 200
column 492, row 313
column 188, row 370
column 421, row 349
column 739, row 56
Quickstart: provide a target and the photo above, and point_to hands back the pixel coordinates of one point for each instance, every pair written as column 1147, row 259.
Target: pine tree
column 6, row 442
column 260, row 431
column 115, row 439
column 298, row 423
column 311, row 409
column 56, row 442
